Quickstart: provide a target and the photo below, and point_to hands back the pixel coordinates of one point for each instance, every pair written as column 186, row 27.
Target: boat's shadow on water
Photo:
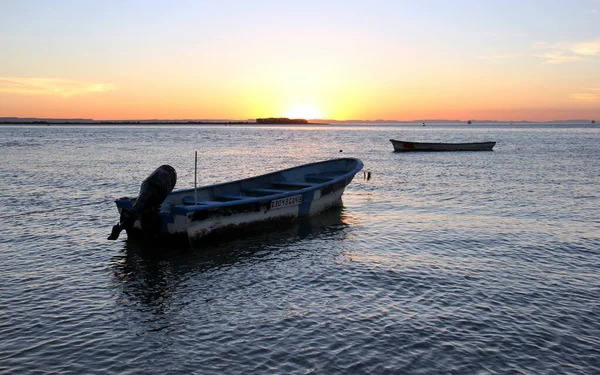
column 149, row 273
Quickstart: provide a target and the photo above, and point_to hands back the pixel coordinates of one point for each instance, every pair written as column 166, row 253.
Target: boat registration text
column 286, row 202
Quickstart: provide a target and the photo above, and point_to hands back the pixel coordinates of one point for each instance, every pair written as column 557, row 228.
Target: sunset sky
column 502, row 60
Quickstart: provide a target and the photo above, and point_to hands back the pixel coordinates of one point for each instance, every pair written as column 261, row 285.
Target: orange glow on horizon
column 333, row 100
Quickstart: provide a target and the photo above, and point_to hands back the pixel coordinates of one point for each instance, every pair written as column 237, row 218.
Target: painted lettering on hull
column 286, row 202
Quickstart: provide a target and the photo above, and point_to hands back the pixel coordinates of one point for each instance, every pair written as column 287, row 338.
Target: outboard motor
column 154, row 190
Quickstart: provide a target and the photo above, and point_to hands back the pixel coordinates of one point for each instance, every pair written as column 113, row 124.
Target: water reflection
column 148, row 276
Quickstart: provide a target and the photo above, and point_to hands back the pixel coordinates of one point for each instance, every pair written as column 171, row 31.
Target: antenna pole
column 196, row 177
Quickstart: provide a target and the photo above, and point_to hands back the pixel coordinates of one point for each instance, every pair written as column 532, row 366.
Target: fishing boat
column 404, row 146
column 201, row 213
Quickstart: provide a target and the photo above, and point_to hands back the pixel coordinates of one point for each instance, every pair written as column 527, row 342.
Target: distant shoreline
column 58, row 122
column 48, row 123
column 51, row 121
column 273, row 121
column 247, row 123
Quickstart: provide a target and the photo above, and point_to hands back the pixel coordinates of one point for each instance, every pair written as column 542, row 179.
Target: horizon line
column 311, row 121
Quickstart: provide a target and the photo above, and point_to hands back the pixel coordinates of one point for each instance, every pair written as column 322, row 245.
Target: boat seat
column 191, row 201
column 263, row 191
column 293, row 184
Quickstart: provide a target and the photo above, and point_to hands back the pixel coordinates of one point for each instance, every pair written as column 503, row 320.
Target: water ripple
column 461, row 263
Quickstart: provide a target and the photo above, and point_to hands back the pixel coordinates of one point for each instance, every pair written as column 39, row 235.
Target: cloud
column 559, row 53
column 51, row 86
column 584, row 97
column 587, row 48
column 558, row 58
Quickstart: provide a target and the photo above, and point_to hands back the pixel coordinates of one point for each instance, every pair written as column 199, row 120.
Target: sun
column 304, row 111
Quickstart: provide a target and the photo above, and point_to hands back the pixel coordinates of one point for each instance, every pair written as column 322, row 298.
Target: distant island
column 280, row 120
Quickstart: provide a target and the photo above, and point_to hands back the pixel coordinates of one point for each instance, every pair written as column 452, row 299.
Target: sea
column 436, row 263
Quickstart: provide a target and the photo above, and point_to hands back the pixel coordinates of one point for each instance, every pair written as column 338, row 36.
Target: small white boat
column 404, row 146
column 209, row 212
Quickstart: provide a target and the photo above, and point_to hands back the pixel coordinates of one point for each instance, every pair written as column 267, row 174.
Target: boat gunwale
column 183, row 208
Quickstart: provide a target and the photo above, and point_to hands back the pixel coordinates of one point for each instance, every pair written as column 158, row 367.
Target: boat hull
column 218, row 223
column 404, row 146
column 274, row 199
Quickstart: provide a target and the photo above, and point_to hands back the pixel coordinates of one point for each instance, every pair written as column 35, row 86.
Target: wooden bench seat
column 293, row 184
column 263, row 191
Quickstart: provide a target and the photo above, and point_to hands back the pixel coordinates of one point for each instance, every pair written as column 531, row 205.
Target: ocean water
column 458, row 263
